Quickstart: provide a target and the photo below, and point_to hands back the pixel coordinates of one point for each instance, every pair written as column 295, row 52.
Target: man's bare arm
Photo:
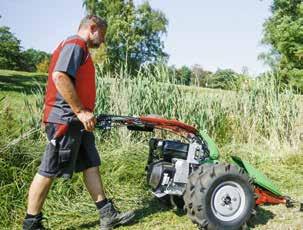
column 66, row 88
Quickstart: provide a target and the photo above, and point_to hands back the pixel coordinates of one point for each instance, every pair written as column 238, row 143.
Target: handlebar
column 106, row 122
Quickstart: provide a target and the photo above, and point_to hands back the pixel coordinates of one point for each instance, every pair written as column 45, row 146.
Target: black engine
column 164, row 156
column 167, row 150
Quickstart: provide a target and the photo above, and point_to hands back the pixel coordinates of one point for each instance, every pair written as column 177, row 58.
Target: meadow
column 258, row 123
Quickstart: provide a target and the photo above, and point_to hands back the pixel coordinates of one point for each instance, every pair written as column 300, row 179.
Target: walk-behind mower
column 214, row 194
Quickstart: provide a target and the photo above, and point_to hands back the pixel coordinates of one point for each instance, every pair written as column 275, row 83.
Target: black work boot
column 34, row 223
column 110, row 217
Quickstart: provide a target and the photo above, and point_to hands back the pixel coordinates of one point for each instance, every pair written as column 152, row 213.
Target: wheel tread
column 227, row 168
column 198, row 186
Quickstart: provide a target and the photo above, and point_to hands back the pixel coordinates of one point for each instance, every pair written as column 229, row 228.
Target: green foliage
column 197, row 76
column 134, row 32
column 227, row 116
column 226, row 79
column 200, row 76
column 99, row 55
column 12, row 56
column 284, row 32
column 10, row 50
column 32, row 58
column 42, row 67
column 184, row 75
column 271, row 59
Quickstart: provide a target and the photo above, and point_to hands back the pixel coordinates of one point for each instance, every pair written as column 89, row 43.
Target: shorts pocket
column 65, row 156
column 49, row 161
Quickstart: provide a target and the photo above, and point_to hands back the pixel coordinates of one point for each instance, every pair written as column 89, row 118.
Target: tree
column 90, row 6
column 183, row 75
column 134, row 32
column 284, row 32
column 32, row 57
column 10, row 50
column 42, row 67
column 200, row 77
column 226, row 79
column 13, row 57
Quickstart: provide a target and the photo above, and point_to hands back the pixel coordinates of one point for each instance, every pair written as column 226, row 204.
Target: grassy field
column 259, row 125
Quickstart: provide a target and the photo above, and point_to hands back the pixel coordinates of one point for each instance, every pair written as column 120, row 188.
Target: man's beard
column 96, row 43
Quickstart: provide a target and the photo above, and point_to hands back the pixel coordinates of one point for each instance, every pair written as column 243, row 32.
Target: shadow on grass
column 261, row 218
column 150, row 206
column 20, row 83
column 153, row 205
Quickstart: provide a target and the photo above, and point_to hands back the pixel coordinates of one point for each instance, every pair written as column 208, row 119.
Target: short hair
column 100, row 22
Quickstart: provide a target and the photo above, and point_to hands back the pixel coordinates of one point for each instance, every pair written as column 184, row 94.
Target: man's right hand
column 88, row 120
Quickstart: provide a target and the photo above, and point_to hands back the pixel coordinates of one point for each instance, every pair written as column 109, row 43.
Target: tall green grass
column 254, row 121
column 257, row 114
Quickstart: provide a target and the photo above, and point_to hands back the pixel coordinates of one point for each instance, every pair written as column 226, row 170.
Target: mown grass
column 259, row 125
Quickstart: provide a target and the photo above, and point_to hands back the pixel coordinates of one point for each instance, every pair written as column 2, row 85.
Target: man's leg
column 89, row 161
column 94, row 184
column 109, row 216
column 37, row 193
column 36, row 197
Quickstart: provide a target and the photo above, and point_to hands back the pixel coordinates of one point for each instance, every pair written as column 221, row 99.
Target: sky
column 212, row 33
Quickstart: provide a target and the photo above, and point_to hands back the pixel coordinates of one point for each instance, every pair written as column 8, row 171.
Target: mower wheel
column 219, row 196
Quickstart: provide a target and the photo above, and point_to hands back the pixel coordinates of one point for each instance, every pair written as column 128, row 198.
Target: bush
column 42, row 67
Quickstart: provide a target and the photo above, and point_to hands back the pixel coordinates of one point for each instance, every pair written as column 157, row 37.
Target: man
column 71, row 94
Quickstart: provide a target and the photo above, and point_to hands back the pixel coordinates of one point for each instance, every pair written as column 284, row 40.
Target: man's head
column 93, row 28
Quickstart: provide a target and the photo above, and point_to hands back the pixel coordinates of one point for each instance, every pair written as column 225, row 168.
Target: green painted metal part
column 213, row 149
column 209, row 161
column 259, row 178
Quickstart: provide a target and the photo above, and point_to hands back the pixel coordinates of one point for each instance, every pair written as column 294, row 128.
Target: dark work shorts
column 72, row 150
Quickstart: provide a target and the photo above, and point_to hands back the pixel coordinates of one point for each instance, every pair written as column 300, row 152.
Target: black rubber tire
column 200, row 188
